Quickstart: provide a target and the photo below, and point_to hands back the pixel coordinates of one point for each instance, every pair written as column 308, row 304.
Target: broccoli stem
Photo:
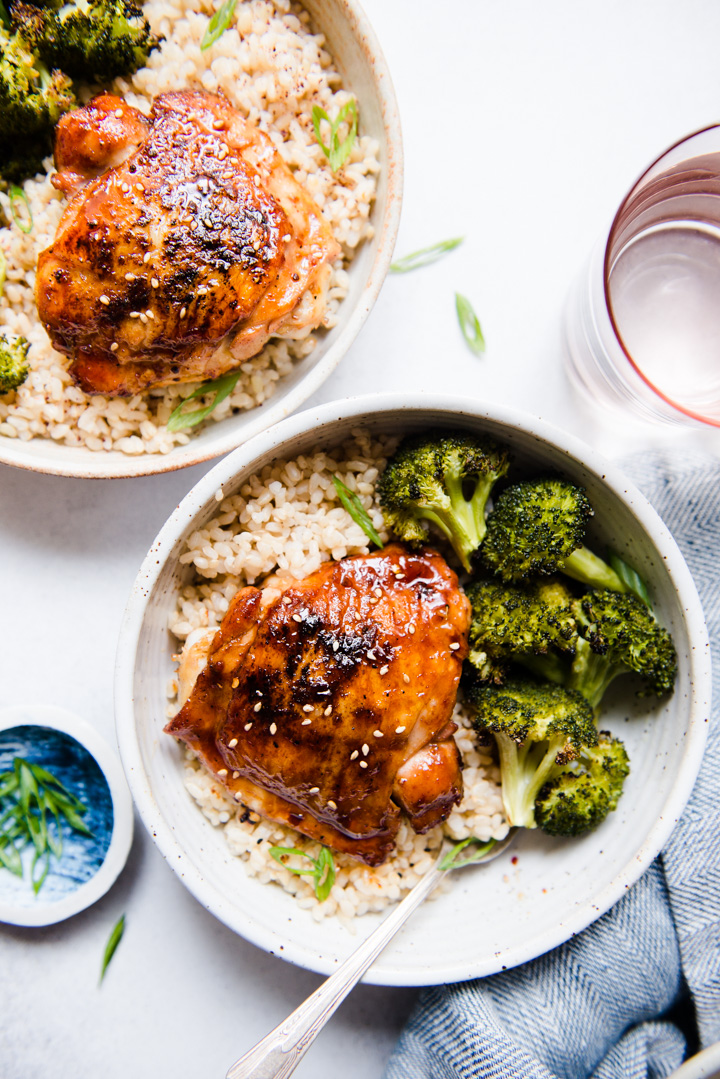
column 465, row 525
column 458, row 525
column 582, row 565
column 524, row 769
column 591, row 674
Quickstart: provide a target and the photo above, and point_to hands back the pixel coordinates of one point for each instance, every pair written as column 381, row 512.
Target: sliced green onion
column 469, row 324
column 630, row 578
column 111, row 946
column 20, row 208
column 453, row 861
column 218, row 24
column 323, row 871
column 337, row 152
column 357, row 511
column 220, row 387
column 425, row 256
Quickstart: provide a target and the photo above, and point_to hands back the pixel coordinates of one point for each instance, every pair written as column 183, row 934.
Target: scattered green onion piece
column 452, row 861
column 221, row 388
column 337, row 152
column 416, row 259
column 630, row 578
column 111, row 946
column 357, row 511
column 218, row 24
column 19, row 206
column 323, row 871
column 469, row 324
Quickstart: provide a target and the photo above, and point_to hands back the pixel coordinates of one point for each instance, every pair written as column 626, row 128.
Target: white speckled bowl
column 353, row 45
column 516, row 907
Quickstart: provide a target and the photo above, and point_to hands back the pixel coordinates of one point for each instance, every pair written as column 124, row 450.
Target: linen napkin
column 598, row 1005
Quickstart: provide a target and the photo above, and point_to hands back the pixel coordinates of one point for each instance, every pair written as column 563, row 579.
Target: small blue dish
column 75, row 754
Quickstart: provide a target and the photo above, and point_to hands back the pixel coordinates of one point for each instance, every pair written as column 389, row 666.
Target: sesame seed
column 384, row 670
column 399, row 730
column 257, row 181
column 114, row 346
column 129, row 276
column 328, row 710
column 235, row 683
column 314, row 790
column 377, row 734
column 363, row 764
column 238, row 796
column 150, row 314
column 411, row 629
column 406, row 679
column 331, row 805
column 104, row 299
column 134, row 314
column 124, row 186
column 118, row 114
column 454, row 646
column 222, row 771
column 365, row 749
column 219, row 125
column 257, row 707
column 183, row 312
column 336, row 646
column 297, row 618
column 378, row 592
column 248, row 726
column 236, row 775
column 354, row 754
column 399, row 576
column 273, row 728
column 202, row 291
column 223, row 154
column 287, row 237
column 307, row 708
column 305, row 722
column 232, row 743
column 370, row 654
column 140, row 188
column 143, row 318
column 154, row 282
column 147, row 256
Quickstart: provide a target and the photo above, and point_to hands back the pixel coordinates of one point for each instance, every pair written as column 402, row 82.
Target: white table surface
column 524, row 124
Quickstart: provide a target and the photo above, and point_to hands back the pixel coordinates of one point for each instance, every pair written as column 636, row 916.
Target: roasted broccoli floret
column 539, row 728
column 32, row 98
column 582, row 795
column 618, row 634
column 445, row 479
column 538, row 527
column 14, row 367
column 517, row 623
column 93, row 38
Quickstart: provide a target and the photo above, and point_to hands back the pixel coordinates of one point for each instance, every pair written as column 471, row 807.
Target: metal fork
column 280, row 1051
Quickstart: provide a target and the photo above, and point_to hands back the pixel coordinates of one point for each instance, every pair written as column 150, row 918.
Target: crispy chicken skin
column 185, row 245
column 328, row 706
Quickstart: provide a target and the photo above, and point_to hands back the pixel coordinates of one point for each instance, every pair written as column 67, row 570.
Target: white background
column 524, row 124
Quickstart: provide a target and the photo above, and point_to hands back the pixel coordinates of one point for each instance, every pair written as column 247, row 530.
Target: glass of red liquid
column 642, row 323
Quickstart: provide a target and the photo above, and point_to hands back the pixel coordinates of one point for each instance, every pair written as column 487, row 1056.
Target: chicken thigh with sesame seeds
column 327, row 705
column 186, row 244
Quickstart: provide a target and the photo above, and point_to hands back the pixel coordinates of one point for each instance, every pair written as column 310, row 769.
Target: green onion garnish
column 32, row 804
column 111, row 946
column 218, row 24
column 20, row 208
column 323, row 871
column 630, row 578
column 469, row 324
column 451, row 860
column 221, row 388
column 337, row 152
column 424, row 256
column 357, row 511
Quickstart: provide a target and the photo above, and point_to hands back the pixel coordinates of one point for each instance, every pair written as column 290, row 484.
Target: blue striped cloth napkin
column 598, row 1005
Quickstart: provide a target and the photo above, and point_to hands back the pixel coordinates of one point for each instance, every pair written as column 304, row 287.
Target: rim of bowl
column 88, row 464
column 60, row 719
column 366, row 407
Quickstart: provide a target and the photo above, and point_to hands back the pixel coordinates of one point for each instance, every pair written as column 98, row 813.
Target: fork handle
column 280, row 1051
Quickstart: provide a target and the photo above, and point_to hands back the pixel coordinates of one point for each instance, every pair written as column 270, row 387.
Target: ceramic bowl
column 355, row 48
column 546, row 889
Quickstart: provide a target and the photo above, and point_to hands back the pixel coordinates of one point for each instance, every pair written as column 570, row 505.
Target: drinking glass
column 642, row 323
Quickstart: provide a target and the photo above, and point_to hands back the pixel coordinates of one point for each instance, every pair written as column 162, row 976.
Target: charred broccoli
column 445, row 479
column 32, row 98
column 582, row 795
column 538, row 527
column 619, row 635
column 511, row 622
column 90, row 38
column 14, row 367
column 539, row 729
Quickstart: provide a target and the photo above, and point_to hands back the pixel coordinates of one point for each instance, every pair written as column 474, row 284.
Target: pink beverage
column 643, row 327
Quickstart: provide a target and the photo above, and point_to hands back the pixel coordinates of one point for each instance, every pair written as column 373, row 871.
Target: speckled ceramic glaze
column 517, row 907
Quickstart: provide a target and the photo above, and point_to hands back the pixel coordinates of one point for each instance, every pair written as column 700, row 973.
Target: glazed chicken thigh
column 185, row 245
column 326, row 704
